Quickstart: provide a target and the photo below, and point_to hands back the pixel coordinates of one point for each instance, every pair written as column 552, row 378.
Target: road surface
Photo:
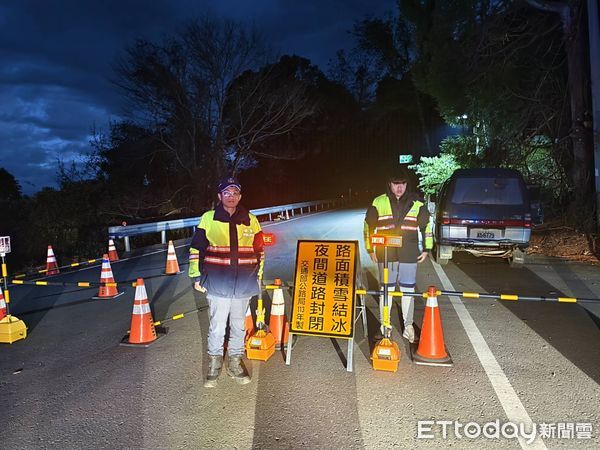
column 70, row 384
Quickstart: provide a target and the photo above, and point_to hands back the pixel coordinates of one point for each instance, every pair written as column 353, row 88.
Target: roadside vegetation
column 456, row 84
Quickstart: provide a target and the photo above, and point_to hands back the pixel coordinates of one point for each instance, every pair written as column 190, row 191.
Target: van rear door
column 493, row 209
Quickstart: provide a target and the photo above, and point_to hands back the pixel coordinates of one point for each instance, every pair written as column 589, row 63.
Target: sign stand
column 362, row 310
column 324, row 300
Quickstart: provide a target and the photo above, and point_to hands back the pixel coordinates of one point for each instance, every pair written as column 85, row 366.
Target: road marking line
column 514, row 409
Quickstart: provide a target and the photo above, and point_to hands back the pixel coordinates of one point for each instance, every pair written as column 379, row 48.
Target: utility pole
column 594, row 41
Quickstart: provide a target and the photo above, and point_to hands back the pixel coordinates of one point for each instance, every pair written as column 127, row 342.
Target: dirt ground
column 557, row 239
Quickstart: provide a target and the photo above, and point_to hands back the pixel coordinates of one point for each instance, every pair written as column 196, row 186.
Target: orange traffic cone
column 2, row 305
column 278, row 322
column 112, row 251
column 51, row 266
column 142, row 331
column 432, row 350
column 249, row 324
column 172, row 264
column 108, row 287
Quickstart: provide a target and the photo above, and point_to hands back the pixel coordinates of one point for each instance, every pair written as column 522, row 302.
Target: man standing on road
column 226, row 261
column 399, row 212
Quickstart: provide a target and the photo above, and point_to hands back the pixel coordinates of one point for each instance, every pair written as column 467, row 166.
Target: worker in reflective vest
column 400, row 212
column 226, row 262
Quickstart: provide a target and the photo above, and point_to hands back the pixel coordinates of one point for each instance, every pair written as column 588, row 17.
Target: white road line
column 514, row 409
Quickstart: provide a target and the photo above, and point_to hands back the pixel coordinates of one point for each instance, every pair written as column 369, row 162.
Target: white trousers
column 404, row 276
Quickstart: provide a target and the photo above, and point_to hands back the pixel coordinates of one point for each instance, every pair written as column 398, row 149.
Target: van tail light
column 527, row 223
column 445, row 218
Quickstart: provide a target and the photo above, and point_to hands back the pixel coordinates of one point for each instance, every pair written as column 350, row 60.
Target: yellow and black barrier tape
column 77, row 283
column 78, row 264
column 89, row 284
column 480, row 295
column 68, row 266
column 177, row 316
column 512, row 297
column 391, row 294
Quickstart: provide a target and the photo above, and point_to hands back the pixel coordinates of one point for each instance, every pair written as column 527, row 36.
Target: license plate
column 483, row 233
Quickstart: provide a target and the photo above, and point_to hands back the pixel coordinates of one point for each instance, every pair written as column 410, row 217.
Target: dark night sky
column 56, row 62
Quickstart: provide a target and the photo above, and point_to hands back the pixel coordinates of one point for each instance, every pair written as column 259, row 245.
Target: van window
column 488, row 191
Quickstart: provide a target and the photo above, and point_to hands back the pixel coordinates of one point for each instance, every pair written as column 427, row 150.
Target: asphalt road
column 70, row 384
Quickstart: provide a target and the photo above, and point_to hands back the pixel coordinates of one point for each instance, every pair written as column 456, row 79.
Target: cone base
column 107, row 298
column 172, row 273
column 12, row 329
column 284, row 333
column 423, row 361
column 160, row 333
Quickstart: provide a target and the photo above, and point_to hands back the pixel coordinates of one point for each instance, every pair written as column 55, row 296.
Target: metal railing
column 282, row 211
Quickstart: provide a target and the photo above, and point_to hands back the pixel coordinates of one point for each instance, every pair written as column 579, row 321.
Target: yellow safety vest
column 229, row 268
column 387, row 226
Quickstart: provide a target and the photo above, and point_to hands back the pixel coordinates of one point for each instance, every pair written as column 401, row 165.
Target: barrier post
column 11, row 328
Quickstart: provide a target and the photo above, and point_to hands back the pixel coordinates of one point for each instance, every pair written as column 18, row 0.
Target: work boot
column 409, row 333
column 214, row 369
column 237, row 370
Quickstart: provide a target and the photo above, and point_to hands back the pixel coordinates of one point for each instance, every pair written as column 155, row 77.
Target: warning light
column 377, row 240
column 387, row 241
column 268, row 239
column 4, row 244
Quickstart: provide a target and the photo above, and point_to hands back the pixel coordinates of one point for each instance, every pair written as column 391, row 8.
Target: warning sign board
column 324, row 283
column 4, row 244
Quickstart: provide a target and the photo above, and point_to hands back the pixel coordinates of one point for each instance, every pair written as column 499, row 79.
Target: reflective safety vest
column 386, row 224
column 229, row 257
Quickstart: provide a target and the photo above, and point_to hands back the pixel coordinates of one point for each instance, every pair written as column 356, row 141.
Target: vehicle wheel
column 517, row 259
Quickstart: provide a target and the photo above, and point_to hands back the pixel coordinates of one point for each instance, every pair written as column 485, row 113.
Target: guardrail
column 125, row 232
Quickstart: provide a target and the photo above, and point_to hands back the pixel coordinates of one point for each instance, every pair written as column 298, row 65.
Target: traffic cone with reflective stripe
column 172, row 267
column 2, row 305
column 249, row 324
column 108, row 287
column 51, row 266
column 142, row 330
column 112, row 251
column 278, row 322
column 432, row 350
